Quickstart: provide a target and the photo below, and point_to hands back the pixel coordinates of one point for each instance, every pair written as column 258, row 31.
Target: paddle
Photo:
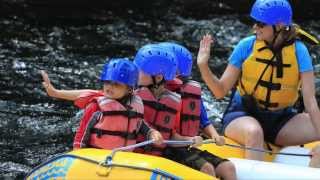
column 144, row 143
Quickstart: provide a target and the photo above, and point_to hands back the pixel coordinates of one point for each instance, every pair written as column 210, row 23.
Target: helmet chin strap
column 156, row 84
column 126, row 98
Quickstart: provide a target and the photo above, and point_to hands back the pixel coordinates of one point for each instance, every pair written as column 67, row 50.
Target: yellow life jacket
column 278, row 76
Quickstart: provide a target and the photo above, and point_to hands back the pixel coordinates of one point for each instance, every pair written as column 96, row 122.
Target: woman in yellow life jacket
column 269, row 68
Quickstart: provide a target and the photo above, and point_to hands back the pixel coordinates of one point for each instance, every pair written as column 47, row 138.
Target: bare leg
column 226, row 171
column 299, row 130
column 208, row 169
column 247, row 131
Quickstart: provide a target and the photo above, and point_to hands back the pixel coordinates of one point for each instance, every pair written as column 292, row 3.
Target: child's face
column 115, row 90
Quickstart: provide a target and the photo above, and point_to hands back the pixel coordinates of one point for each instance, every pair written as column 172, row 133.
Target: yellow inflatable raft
column 91, row 164
column 98, row 164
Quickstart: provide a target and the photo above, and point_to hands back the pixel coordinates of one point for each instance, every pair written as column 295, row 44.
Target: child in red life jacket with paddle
column 113, row 117
column 161, row 106
column 193, row 117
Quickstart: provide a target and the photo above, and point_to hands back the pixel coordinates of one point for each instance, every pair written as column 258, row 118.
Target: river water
column 34, row 127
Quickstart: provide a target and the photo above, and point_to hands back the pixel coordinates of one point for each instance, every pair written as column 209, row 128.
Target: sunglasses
column 260, row 24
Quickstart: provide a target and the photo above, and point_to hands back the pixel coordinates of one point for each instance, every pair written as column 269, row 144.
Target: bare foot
column 315, row 159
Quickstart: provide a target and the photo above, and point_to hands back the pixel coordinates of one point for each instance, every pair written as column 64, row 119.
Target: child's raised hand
column 51, row 91
column 197, row 141
column 156, row 136
column 204, row 50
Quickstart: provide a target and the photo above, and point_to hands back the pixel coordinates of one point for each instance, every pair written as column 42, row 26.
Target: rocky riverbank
column 72, row 39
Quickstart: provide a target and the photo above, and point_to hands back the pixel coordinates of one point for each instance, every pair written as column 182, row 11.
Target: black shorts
column 270, row 121
column 192, row 157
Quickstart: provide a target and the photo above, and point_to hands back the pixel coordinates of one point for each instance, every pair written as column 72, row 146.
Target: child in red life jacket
column 161, row 106
column 114, row 117
column 193, row 116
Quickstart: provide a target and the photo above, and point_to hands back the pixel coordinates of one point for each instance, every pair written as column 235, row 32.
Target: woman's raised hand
column 50, row 89
column 204, row 50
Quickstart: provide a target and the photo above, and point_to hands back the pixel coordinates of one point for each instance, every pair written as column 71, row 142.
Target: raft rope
column 61, row 156
column 108, row 161
column 208, row 141
column 144, row 143
column 115, row 150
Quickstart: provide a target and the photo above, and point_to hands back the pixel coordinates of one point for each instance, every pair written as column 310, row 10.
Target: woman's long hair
column 284, row 36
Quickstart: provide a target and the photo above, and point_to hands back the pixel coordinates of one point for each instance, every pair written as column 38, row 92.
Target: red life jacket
column 190, row 92
column 116, row 126
column 87, row 97
column 160, row 114
column 85, row 101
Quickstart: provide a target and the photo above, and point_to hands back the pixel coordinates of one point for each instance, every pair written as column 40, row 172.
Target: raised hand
column 50, row 89
column 204, row 50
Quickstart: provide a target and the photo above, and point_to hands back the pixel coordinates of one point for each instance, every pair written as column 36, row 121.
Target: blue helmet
column 183, row 55
column 154, row 60
column 272, row 12
column 120, row 70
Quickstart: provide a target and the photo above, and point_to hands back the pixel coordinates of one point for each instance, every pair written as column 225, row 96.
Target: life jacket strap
column 125, row 135
column 158, row 106
column 128, row 113
column 189, row 95
column 186, row 117
column 162, row 129
column 270, row 85
column 272, row 63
